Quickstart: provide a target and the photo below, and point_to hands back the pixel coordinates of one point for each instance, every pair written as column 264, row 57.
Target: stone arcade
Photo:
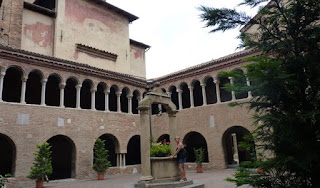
column 68, row 78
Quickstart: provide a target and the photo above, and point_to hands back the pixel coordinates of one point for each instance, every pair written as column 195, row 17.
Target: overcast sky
column 176, row 34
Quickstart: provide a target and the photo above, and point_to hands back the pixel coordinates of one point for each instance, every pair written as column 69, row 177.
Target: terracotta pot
column 100, row 176
column 260, row 170
column 199, row 169
column 39, row 184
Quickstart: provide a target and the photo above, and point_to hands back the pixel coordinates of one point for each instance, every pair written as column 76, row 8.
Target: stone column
column 180, row 98
column 145, row 144
column 124, row 160
column 248, row 84
column 118, row 101
column 160, row 108
column 217, row 82
column 232, row 92
column 78, row 87
column 191, row 96
column 173, row 128
column 129, row 104
column 43, row 92
column 62, row 86
column 204, row 96
column 106, row 100
column 120, row 160
column 93, row 98
column 235, row 148
column 23, row 90
column 1, row 84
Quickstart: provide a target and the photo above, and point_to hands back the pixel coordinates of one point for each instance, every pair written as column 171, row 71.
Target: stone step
column 176, row 184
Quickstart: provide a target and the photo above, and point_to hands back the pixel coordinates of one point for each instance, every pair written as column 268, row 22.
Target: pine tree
column 285, row 84
column 101, row 162
column 42, row 163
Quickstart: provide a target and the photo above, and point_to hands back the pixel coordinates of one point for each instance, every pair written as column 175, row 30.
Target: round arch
column 195, row 140
column 112, row 145
column 12, row 84
column 63, row 157
column 165, row 138
column 8, row 155
column 228, row 145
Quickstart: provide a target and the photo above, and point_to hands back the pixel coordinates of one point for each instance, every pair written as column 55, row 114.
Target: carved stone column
column 93, row 98
column 1, row 84
column 180, row 98
column 62, row 86
column 43, row 92
column 145, row 144
column 191, row 96
column 204, row 96
column 23, row 90
column 217, row 82
column 129, row 103
column 118, row 101
column 232, row 92
column 78, row 87
column 106, row 100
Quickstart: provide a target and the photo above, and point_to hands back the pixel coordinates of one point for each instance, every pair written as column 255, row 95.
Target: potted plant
column 199, row 154
column 100, row 160
column 42, row 166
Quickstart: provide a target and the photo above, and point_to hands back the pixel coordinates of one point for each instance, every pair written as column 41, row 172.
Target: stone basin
column 164, row 169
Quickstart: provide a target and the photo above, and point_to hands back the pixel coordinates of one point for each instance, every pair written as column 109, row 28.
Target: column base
column 146, row 178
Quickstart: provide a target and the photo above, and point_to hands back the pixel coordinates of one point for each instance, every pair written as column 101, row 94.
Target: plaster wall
column 37, row 33
column 137, row 61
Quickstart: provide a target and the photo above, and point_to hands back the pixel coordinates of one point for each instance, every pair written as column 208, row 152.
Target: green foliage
column 285, row 84
column 101, row 162
column 199, row 154
column 160, row 150
column 42, row 163
column 4, row 180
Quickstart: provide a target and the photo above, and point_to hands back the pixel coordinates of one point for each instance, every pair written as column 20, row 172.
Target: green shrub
column 42, row 163
column 160, row 150
column 199, row 154
column 101, row 162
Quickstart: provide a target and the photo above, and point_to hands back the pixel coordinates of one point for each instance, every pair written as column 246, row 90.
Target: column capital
column 62, row 85
column 129, row 96
column 24, row 79
column 2, row 73
column 78, row 86
column 43, row 81
column 173, row 114
column 93, row 90
column 230, row 78
column 106, row 91
column 179, row 90
column 216, row 80
column 190, row 87
column 203, row 85
column 118, row 93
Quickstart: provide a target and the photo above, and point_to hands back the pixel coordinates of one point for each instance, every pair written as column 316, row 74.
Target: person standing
column 181, row 156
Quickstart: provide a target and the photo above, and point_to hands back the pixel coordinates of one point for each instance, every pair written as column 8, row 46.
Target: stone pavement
column 211, row 179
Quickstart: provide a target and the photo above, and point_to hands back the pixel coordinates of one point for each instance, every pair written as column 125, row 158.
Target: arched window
column 85, row 94
column 197, row 93
column 12, row 85
column 124, row 100
column 53, row 90
column 113, row 98
column 133, row 151
column 224, row 94
column 174, row 96
column 185, row 95
column 70, row 93
column 8, row 155
column 100, row 96
column 135, row 101
column 33, row 87
column 240, row 81
column 112, row 145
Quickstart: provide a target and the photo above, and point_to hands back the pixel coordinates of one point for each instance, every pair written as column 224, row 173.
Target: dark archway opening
column 174, row 96
column 113, row 99
column 195, row 140
column 163, row 109
column 224, row 94
column 70, row 93
column 185, row 96
column 133, row 151
column 53, row 91
column 228, row 146
column 211, row 92
column 12, row 85
column 164, row 139
column 124, row 100
column 155, row 109
column 197, row 94
column 100, row 97
column 33, row 88
column 85, row 93
column 135, row 102
column 49, row 4
column 240, row 81
column 63, row 157
column 8, row 155
column 111, row 144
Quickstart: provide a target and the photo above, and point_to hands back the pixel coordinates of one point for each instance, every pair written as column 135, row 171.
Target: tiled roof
column 145, row 46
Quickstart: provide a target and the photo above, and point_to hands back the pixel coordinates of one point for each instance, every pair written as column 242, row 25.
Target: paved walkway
column 211, row 179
